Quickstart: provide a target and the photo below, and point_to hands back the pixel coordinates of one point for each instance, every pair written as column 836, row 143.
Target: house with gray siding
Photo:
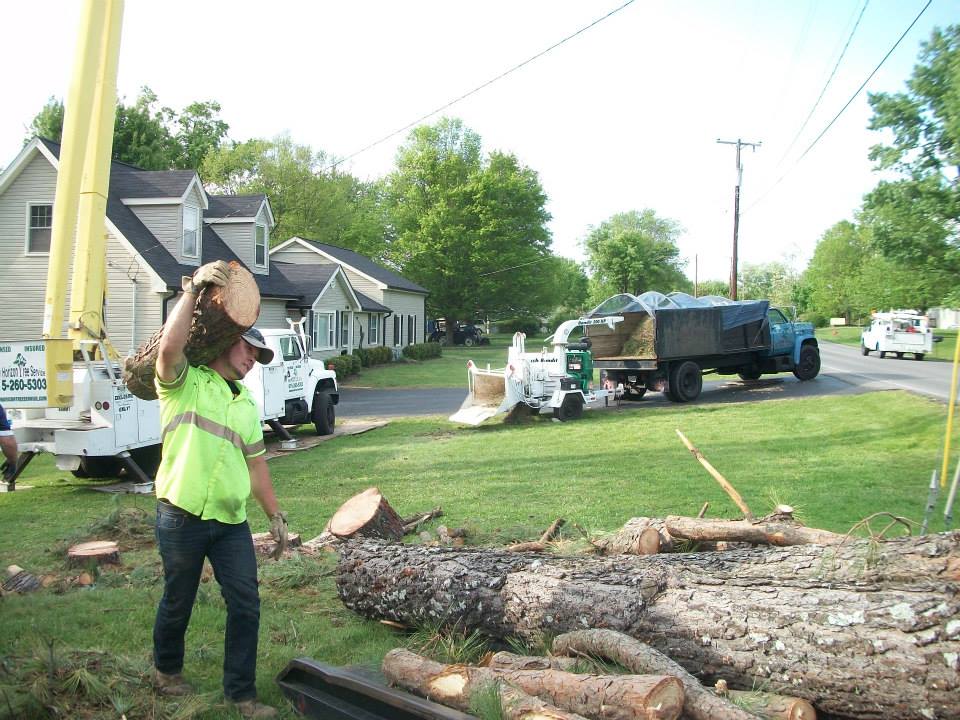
column 162, row 225
column 407, row 301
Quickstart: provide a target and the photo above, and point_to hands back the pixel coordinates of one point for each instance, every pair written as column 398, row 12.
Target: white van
column 898, row 331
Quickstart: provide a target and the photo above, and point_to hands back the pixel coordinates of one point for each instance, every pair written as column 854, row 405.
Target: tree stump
column 861, row 630
column 367, row 515
column 221, row 315
column 264, row 543
column 100, row 552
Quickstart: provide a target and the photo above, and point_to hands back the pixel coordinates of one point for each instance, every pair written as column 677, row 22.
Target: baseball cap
column 255, row 337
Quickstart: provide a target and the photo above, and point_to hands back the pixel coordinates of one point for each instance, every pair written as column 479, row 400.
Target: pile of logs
column 858, row 628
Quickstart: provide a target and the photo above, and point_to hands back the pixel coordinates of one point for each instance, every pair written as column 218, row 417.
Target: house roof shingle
column 235, row 206
column 368, row 267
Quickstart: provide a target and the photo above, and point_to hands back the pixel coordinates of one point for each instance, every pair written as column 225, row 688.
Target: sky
column 623, row 116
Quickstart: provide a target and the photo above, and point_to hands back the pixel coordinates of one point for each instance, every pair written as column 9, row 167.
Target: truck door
column 782, row 335
column 294, row 364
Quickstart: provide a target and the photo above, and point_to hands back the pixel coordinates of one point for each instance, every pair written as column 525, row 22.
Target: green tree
column 148, row 136
column 832, row 277
column 720, row 288
column 633, row 252
column 914, row 218
column 773, row 281
column 470, row 229
column 309, row 197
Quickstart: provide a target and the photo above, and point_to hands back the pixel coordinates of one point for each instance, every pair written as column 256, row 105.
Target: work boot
column 173, row 685
column 253, row 710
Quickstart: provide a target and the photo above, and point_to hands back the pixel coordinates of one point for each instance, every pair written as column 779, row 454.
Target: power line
column 480, row 87
column 837, row 116
column 826, row 84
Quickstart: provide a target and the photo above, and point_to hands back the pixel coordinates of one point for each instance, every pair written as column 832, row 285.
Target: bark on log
column 367, row 514
column 509, row 661
column 638, row 536
column 698, row 702
column 613, row 697
column 222, row 314
column 454, row 685
column 99, row 552
column 773, row 707
column 763, row 533
column 861, row 630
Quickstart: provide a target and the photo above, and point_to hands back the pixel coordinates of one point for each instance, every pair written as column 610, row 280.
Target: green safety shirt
column 208, row 434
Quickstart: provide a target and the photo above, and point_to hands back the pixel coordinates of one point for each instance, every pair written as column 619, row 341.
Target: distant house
column 162, row 225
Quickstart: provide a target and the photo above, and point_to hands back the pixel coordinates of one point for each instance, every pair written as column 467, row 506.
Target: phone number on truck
column 15, row 384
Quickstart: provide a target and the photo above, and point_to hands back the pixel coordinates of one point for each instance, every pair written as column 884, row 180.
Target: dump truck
column 666, row 343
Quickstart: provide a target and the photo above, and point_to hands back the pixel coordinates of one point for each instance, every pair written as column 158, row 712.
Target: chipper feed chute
column 489, row 395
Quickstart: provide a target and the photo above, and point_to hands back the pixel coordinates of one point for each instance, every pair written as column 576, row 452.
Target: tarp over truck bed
column 662, row 327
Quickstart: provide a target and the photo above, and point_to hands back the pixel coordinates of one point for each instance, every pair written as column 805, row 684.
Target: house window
column 373, row 329
column 191, row 231
column 344, row 329
column 260, row 244
column 323, row 336
column 411, row 329
column 38, row 228
column 398, row 330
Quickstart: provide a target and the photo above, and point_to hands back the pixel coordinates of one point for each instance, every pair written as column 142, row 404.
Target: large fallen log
column 222, row 314
column 613, row 697
column 861, row 630
column 366, row 514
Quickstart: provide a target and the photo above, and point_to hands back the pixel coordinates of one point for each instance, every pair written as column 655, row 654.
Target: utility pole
column 736, row 210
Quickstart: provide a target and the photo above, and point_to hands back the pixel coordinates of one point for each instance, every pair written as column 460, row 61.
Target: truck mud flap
column 327, row 692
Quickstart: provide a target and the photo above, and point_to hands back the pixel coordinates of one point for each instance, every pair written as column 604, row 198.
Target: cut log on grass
column 264, row 543
column 759, row 533
column 20, row 581
column 861, row 630
column 699, row 703
column 222, row 314
column 773, row 707
column 638, row 536
column 456, row 685
column 613, row 697
column 367, row 514
column 98, row 552
column 509, row 661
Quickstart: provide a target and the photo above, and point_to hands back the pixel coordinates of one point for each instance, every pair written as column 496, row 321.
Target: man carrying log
column 213, row 456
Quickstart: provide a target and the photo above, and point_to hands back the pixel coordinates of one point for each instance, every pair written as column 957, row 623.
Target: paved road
column 844, row 371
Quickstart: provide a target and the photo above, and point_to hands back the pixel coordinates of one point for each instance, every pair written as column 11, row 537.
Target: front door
column 782, row 334
column 294, row 361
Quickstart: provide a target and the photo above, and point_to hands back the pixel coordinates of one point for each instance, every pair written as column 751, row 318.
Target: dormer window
column 260, row 244
column 191, row 231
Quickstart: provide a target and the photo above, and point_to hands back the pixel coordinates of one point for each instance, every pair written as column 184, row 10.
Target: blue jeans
column 184, row 541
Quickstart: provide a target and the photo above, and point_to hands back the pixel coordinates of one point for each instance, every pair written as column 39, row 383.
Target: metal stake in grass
column 727, row 487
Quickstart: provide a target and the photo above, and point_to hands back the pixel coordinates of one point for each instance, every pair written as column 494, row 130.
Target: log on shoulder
column 367, row 514
column 861, row 630
column 774, row 532
column 617, row 697
column 222, row 314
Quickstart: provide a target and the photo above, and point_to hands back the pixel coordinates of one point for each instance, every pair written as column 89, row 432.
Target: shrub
column 528, row 325
column 343, row 365
column 364, row 356
column 423, row 351
column 816, row 318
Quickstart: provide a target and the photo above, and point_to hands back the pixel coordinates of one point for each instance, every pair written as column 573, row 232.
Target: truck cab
column 793, row 347
column 899, row 332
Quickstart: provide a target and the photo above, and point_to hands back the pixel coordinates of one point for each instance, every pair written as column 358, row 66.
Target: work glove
column 278, row 530
column 214, row 273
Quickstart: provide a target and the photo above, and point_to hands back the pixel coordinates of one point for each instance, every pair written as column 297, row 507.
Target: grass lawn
column 851, row 336
column 836, row 460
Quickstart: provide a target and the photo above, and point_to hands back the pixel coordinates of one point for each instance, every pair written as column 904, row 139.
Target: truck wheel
column 570, row 409
column 883, row 354
column 468, row 341
column 809, row 366
column 100, row 466
column 686, row 381
column 918, row 356
column 864, row 350
column 751, row 374
column 324, row 416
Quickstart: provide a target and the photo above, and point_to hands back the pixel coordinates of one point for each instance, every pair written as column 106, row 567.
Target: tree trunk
column 758, row 532
column 367, row 514
column 773, row 707
column 862, row 630
column 612, row 697
column 638, row 536
column 98, row 552
column 264, row 544
column 221, row 315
